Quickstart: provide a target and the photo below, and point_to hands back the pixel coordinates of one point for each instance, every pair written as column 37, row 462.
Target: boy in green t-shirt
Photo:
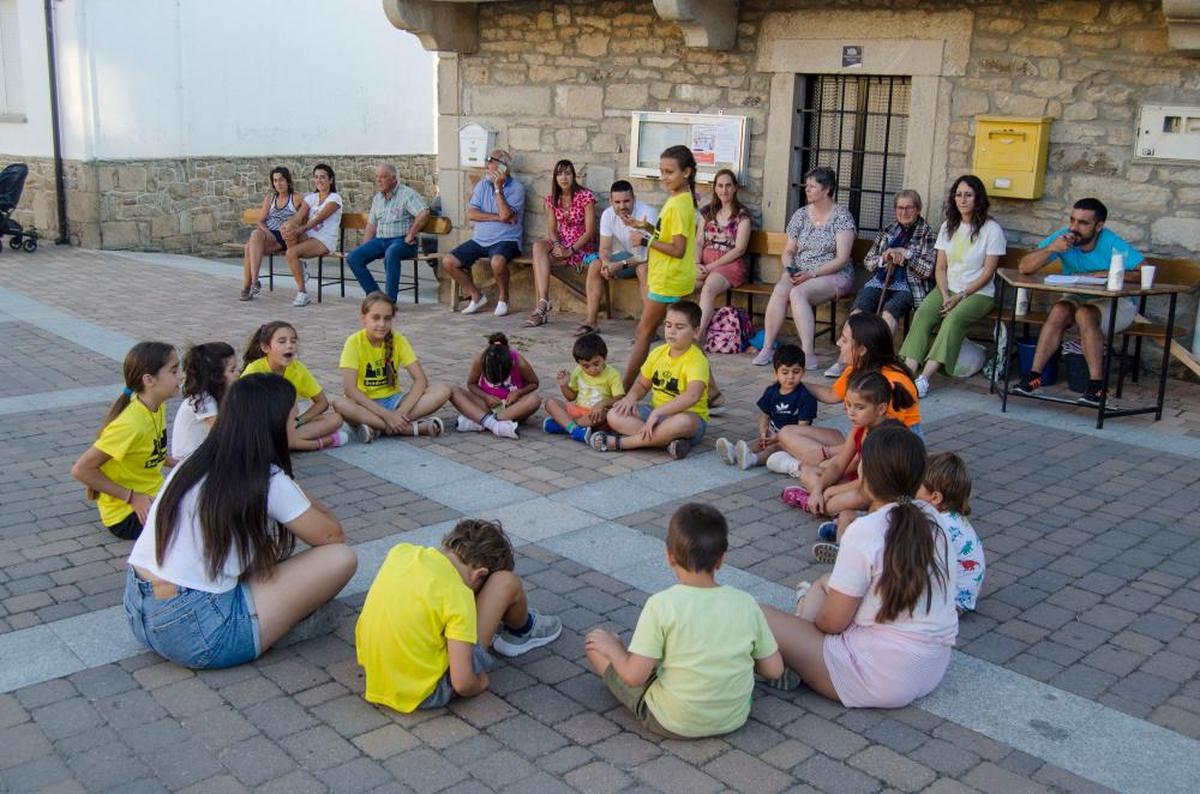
column 676, row 376
column 689, row 670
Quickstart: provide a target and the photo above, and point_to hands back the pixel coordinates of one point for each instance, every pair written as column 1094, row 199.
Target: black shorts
column 279, row 238
column 127, row 529
column 897, row 303
column 469, row 251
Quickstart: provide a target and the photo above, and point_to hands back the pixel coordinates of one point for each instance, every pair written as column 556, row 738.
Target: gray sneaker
column 245, row 295
column 544, row 631
column 787, row 682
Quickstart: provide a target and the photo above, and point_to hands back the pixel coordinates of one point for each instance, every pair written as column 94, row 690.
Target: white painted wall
column 191, row 78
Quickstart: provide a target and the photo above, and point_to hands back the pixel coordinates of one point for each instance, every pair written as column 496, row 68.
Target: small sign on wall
column 852, row 55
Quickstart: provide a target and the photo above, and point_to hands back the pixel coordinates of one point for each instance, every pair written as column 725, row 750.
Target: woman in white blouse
column 969, row 246
column 313, row 231
column 212, row 580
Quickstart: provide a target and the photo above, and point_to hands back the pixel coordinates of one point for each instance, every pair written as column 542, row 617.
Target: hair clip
column 127, row 392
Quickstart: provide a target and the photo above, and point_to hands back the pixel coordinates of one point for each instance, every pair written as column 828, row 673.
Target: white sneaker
column 365, row 433
column 256, row 287
column 340, row 439
column 783, row 463
column 727, row 451
column 465, row 425
column 836, row 370
column 505, row 429
column 501, row 308
column 301, row 299
column 922, row 384
column 746, row 458
column 811, row 363
column 475, row 305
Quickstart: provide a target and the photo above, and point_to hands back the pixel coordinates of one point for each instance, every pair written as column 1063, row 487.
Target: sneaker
column 256, row 287
column 787, row 682
column 552, row 427
column 475, row 305
column 1028, row 385
column 501, row 308
column 802, row 588
column 679, row 448
column 836, row 370
column 365, row 433
column 763, row 358
column 304, row 265
column 783, row 463
column 545, row 630
column 811, row 363
column 922, row 384
column 795, row 496
column 465, row 425
column 726, row 451
column 505, row 429
column 245, row 294
column 745, row 457
column 580, row 434
column 301, row 299
column 827, row 531
column 825, row 552
column 1090, row 398
column 339, row 439
column 718, row 410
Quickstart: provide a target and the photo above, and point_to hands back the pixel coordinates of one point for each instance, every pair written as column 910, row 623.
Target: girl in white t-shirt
column 213, row 581
column 208, row 370
column 969, row 247
column 313, row 231
column 878, row 631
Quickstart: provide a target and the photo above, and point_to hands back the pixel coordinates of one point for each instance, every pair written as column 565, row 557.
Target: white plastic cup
column 1147, row 276
column 1116, row 272
column 1022, row 301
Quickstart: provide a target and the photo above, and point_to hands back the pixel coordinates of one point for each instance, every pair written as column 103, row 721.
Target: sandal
column 679, row 448
column 600, row 441
column 795, row 496
column 434, row 425
column 802, row 589
column 540, row 315
column 584, row 329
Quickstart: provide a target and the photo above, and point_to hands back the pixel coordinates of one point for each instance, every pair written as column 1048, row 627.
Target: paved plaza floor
column 1079, row 672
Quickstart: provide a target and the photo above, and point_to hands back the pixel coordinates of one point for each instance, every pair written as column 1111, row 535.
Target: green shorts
column 634, row 699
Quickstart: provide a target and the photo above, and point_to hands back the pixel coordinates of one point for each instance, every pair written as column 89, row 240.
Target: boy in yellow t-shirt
column 589, row 391
column 689, row 669
column 432, row 614
column 676, row 376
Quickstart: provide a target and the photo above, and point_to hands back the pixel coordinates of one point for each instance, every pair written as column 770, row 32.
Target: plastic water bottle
column 1116, row 272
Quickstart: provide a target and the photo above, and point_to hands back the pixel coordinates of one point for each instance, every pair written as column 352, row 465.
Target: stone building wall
column 189, row 206
column 558, row 79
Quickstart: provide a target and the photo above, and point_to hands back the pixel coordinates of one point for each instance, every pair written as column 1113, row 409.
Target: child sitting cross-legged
column 589, row 390
column 431, row 616
column 947, row 487
column 689, row 669
column 784, row 403
column 676, row 375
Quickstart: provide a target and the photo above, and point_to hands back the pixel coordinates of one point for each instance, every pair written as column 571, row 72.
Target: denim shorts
column 644, row 412
column 917, row 431
column 443, row 693
column 391, row 402
column 194, row 628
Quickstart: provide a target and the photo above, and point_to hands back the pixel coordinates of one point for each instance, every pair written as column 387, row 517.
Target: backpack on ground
column 729, row 331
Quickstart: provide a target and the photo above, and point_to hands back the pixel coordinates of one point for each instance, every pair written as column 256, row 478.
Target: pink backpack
column 729, row 331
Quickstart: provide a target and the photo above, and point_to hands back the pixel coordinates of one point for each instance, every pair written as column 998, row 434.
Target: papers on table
column 1091, row 281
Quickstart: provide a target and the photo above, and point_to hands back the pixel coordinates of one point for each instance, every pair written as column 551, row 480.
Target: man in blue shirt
column 496, row 207
column 1083, row 247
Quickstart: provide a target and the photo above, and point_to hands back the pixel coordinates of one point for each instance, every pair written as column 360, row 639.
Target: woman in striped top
column 278, row 206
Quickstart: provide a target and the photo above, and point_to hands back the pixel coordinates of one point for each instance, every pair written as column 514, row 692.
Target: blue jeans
column 194, row 628
column 443, row 693
column 393, row 251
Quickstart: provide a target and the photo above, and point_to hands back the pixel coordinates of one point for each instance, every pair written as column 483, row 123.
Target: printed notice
column 852, row 56
column 716, row 144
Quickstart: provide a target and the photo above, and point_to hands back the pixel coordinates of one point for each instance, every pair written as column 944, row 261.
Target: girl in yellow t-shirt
column 275, row 347
column 369, row 365
column 671, row 251
column 122, row 469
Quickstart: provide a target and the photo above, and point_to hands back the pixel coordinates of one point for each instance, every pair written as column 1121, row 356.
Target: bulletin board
column 716, row 141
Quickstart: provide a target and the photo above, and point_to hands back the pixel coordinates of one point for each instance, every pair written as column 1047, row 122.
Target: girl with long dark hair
column 500, row 393
column 969, row 246
column 879, row 630
column 213, row 582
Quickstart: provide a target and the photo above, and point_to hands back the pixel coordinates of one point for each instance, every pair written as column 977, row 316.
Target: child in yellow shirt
column 431, row 616
column 589, row 391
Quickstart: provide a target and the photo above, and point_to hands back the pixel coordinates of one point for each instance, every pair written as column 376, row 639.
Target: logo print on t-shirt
column 666, row 383
column 159, row 453
column 374, row 375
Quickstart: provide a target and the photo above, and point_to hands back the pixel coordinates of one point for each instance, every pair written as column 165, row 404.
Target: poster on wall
column 716, row 141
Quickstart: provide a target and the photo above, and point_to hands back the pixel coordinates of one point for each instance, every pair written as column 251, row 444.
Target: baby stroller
column 12, row 184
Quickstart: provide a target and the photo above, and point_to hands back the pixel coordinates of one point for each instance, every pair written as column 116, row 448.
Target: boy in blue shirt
column 785, row 402
column 1083, row 247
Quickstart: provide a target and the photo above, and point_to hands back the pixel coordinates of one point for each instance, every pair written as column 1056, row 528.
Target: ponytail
column 878, row 390
column 497, row 359
column 893, row 466
column 260, row 338
column 389, row 343
column 683, row 156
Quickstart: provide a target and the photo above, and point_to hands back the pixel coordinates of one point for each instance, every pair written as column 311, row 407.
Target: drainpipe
column 60, row 188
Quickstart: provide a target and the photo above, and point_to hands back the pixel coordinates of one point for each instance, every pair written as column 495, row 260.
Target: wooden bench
column 355, row 222
column 772, row 244
column 558, row 273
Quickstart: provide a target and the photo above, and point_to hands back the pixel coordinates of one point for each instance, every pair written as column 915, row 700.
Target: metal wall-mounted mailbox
column 1010, row 155
column 475, row 143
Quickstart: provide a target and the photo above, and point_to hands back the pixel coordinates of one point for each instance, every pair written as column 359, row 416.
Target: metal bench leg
column 416, row 281
column 833, row 329
column 1121, row 365
column 342, row 274
column 271, row 272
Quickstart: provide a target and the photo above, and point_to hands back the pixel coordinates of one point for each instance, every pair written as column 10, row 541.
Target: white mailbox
column 1168, row 133
column 475, row 142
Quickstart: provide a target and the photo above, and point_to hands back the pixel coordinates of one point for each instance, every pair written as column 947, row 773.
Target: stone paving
column 1091, row 602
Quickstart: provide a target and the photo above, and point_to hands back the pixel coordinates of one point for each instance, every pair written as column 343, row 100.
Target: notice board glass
column 717, row 142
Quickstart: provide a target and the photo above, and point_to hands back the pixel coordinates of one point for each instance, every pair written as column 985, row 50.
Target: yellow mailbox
column 1010, row 155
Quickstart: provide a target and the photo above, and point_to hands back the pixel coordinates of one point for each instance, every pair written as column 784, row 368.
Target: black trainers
column 1091, row 398
column 1028, row 385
